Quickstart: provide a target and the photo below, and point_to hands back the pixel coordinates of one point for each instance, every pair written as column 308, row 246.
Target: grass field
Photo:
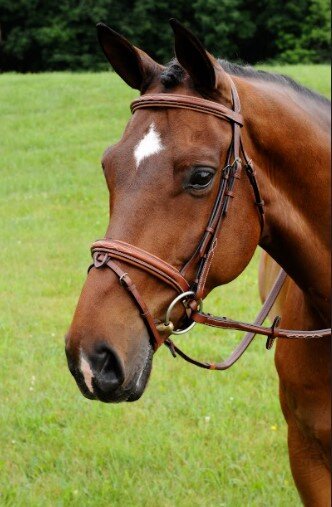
column 196, row 438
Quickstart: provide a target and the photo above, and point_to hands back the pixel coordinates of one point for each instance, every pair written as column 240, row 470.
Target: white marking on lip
column 86, row 372
column 139, row 378
column 144, row 361
column 149, row 145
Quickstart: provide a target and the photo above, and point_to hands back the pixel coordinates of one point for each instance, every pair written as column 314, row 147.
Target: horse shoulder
column 303, row 366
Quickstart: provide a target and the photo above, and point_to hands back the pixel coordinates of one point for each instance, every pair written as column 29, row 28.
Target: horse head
column 163, row 178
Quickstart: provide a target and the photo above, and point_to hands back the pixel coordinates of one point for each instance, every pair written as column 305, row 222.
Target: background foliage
column 39, row 35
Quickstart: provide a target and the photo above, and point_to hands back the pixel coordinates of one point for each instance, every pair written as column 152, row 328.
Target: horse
column 164, row 177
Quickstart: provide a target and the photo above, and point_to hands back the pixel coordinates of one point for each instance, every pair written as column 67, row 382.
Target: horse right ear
column 134, row 66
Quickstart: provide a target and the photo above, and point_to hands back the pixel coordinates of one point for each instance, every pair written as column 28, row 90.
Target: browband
column 187, row 102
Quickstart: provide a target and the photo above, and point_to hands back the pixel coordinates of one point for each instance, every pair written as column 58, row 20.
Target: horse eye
column 200, row 178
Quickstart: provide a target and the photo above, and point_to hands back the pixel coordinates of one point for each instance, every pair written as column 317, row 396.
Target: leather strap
column 272, row 332
column 128, row 284
column 186, row 102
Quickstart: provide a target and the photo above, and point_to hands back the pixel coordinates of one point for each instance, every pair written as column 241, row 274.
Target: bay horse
column 164, row 177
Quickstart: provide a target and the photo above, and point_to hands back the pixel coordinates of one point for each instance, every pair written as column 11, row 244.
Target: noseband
column 105, row 252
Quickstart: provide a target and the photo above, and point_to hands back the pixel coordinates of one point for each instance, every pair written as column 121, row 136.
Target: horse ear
column 133, row 65
column 202, row 67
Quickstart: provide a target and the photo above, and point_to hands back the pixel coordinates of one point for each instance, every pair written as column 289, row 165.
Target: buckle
column 270, row 340
column 121, row 279
column 100, row 259
column 226, row 170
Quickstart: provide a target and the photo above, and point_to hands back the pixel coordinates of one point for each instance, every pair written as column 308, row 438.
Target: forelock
column 173, row 74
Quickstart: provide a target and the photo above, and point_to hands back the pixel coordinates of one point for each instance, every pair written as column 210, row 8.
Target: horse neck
column 287, row 137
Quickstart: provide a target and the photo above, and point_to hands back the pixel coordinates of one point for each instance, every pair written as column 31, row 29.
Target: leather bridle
column 106, row 252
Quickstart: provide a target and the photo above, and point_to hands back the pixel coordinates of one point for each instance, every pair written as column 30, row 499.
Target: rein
column 105, row 252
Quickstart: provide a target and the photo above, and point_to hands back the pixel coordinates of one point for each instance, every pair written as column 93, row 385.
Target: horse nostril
column 109, row 374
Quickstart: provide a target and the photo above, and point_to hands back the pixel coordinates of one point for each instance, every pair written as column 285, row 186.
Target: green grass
column 196, row 438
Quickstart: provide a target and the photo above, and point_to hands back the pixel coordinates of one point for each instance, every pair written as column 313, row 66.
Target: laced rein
column 105, row 251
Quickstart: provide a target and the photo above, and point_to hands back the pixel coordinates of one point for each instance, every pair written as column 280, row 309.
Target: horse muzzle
column 101, row 375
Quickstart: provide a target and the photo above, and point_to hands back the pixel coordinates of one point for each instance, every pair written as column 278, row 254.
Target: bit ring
column 181, row 297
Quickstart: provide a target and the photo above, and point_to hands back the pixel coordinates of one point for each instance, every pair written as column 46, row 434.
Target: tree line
column 40, row 35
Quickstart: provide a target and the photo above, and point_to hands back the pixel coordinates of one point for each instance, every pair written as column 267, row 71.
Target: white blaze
column 149, row 145
column 86, row 372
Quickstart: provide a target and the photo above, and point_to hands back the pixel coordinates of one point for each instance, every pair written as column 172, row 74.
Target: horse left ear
column 203, row 68
column 134, row 66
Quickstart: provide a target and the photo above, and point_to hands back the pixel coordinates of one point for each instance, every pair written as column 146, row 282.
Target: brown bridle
column 105, row 251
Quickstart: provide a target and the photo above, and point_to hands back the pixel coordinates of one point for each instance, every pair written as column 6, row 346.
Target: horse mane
column 174, row 75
